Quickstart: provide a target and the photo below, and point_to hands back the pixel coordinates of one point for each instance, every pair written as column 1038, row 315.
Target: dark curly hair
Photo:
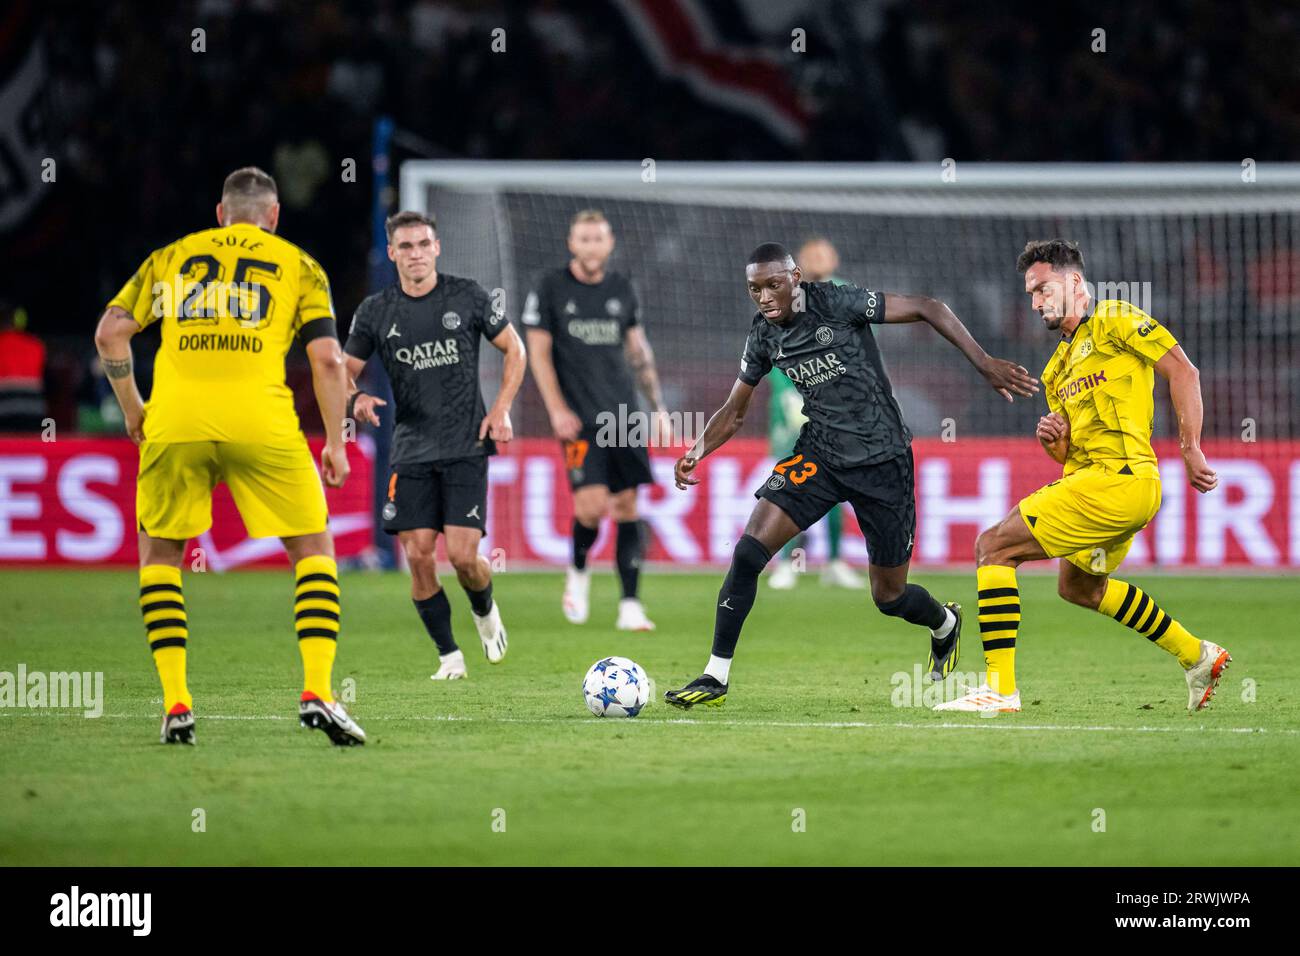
column 1060, row 254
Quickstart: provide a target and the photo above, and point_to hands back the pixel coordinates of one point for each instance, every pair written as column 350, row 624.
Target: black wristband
column 352, row 403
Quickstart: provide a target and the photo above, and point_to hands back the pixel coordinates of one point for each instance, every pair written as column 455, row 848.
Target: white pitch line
column 1007, row 724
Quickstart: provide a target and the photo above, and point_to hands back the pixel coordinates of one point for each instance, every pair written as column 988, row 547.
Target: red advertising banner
column 73, row 502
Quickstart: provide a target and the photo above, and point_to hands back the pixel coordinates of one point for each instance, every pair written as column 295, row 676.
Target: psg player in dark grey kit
column 426, row 330
column 585, row 340
column 854, row 447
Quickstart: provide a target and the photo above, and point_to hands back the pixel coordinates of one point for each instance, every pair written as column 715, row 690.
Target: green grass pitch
column 809, row 761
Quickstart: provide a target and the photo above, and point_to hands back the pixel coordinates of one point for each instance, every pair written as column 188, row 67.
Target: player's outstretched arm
column 1006, row 378
column 1185, row 392
column 726, row 421
column 329, row 378
column 566, row 425
column 496, row 423
column 113, row 342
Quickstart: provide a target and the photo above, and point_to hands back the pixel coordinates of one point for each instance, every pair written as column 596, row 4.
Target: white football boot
column 631, row 616
column 330, row 717
column 492, row 634
column 984, row 700
column 451, row 667
column 838, row 574
column 783, row 576
column 577, row 585
column 1203, row 676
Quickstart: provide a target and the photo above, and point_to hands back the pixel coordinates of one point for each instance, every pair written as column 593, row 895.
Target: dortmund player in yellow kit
column 1099, row 385
column 230, row 302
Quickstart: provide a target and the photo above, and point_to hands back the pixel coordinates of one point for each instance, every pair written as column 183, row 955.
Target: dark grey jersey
column 828, row 352
column 430, row 347
column 588, row 326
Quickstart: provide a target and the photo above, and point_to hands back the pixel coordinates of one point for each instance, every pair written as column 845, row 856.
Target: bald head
column 249, row 195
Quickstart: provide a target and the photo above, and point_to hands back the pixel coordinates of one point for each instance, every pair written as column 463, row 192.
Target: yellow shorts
column 1089, row 517
column 276, row 488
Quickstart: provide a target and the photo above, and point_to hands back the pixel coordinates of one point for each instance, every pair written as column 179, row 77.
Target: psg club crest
column 613, row 307
column 450, row 321
column 390, row 511
column 824, row 335
column 776, row 482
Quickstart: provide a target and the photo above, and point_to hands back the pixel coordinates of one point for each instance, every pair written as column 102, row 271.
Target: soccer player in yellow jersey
column 1099, row 385
column 230, row 301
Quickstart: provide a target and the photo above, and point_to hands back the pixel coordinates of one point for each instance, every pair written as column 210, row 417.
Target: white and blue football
column 616, row 687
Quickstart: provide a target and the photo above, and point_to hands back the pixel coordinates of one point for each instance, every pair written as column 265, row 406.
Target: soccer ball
column 616, row 687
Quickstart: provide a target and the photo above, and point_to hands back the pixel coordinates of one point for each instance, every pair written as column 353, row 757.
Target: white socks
column 949, row 622
column 719, row 668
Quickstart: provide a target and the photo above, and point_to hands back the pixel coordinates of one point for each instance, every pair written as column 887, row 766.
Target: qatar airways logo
column 1081, row 384
column 815, row 371
column 596, row 331
column 429, row 354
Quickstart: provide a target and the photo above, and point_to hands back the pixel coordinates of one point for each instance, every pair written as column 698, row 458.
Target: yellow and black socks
column 1133, row 607
column 316, row 619
column 163, row 605
column 999, row 614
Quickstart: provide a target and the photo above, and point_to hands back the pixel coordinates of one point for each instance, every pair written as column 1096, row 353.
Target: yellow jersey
column 1101, row 381
column 230, row 300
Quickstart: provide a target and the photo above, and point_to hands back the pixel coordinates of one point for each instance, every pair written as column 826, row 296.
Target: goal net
column 1213, row 252
column 1214, row 258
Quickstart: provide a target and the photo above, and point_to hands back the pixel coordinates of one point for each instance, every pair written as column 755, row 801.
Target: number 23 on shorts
column 796, row 469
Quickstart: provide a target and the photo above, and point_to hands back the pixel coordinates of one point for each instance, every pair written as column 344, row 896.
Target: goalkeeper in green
column 818, row 261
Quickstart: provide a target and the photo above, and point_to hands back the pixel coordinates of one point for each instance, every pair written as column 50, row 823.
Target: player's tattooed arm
column 642, row 359
column 117, row 368
column 726, row 421
column 113, row 343
column 1006, row 378
column 1185, row 393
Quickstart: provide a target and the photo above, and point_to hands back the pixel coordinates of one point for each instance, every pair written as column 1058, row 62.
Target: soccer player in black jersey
column 585, row 341
column 854, row 447
column 426, row 330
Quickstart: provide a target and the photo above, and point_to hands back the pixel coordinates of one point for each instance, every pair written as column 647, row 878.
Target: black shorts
column 436, row 494
column 617, row 468
column 882, row 495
